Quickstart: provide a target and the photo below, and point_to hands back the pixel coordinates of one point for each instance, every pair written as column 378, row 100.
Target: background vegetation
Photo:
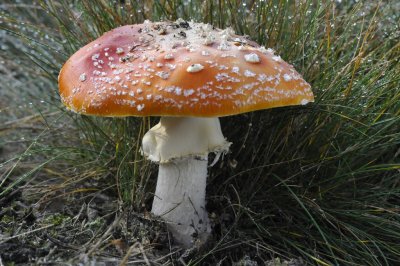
column 310, row 185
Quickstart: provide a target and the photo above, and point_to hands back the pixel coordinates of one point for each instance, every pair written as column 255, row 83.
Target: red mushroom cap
column 177, row 69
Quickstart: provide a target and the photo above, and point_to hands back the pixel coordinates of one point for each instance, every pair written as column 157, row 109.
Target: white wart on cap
column 177, row 69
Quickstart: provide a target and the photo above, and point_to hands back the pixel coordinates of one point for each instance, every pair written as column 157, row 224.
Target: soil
column 62, row 231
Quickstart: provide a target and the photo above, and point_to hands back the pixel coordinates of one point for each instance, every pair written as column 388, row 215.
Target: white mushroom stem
column 180, row 199
column 181, row 147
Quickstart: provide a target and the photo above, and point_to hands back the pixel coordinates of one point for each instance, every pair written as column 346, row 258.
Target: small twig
column 136, row 245
column 182, row 261
column 144, row 255
column 60, row 243
column 76, row 217
column 26, row 233
column 104, row 236
column 128, row 253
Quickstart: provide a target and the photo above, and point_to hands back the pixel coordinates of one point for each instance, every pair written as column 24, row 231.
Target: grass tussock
column 319, row 183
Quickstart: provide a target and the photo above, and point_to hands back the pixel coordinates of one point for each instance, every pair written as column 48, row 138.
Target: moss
column 56, row 219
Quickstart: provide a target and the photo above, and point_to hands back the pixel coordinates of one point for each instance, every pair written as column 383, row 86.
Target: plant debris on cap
column 177, row 69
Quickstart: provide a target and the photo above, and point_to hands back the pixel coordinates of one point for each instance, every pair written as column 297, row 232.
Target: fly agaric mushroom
column 189, row 74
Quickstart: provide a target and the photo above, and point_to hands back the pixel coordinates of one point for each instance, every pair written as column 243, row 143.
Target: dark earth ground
column 81, row 227
column 64, row 230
